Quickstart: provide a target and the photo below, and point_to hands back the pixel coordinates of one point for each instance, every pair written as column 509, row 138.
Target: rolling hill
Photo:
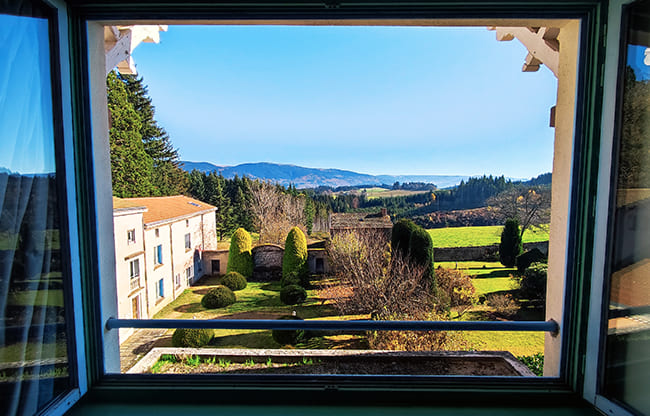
column 303, row 177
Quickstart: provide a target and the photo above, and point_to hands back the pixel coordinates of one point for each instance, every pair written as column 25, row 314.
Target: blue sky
column 26, row 129
column 378, row 100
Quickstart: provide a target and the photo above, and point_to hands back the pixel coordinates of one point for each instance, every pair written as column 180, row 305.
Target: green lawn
column 479, row 268
column 480, row 236
column 256, row 301
column 517, row 342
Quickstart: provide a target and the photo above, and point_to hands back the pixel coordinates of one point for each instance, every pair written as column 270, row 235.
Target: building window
column 156, row 232
column 134, row 268
column 130, row 236
column 177, row 280
column 158, row 255
column 160, row 289
column 187, row 223
column 189, row 274
column 188, row 242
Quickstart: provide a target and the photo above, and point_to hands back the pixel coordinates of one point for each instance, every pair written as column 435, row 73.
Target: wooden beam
column 541, row 42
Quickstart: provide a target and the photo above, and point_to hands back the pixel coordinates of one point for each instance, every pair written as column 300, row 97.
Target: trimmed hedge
column 293, row 295
column 533, row 283
column 415, row 243
column 218, row 297
column 234, row 281
column 240, row 259
column 524, row 260
column 192, row 338
column 294, row 259
column 289, row 336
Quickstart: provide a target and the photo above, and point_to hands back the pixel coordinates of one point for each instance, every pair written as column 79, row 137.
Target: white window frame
column 134, row 264
column 130, row 236
column 160, row 289
column 188, row 241
column 158, row 255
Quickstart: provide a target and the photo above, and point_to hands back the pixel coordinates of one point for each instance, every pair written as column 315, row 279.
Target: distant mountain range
column 303, row 177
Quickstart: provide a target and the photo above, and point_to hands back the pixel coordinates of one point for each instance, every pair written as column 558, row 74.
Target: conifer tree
column 168, row 178
column 510, row 246
column 131, row 166
column 240, row 259
column 294, row 259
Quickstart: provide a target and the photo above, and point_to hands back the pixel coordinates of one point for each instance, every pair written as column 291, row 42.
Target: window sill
column 157, row 266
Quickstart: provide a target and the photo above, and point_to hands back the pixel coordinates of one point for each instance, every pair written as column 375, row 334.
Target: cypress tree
column 294, row 260
column 400, row 240
column 510, row 246
column 240, row 259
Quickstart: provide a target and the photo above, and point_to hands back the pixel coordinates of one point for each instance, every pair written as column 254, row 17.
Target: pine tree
column 131, row 166
column 168, row 178
column 510, row 246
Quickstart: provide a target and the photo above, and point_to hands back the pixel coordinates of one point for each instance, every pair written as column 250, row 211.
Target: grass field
column 480, row 236
column 256, row 301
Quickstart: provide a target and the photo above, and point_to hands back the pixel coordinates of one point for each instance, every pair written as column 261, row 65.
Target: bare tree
column 530, row 205
column 378, row 283
column 275, row 212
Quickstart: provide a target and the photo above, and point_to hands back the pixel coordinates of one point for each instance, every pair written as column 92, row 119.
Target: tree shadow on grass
column 201, row 291
column 189, row 308
column 271, row 286
column 257, row 339
column 495, row 273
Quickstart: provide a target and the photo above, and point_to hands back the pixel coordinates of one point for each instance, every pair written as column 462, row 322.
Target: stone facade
column 267, row 261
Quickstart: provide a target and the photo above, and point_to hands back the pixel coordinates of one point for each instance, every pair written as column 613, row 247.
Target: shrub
column 294, row 259
column 503, row 304
column 240, row 259
column 218, row 297
column 290, row 279
column 524, row 260
column 456, row 287
column 289, row 336
column 510, row 246
column 192, row 338
column 421, row 246
column 533, row 282
column 414, row 243
column 400, row 238
column 293, row 295
column 234, row 281
column 534, row 362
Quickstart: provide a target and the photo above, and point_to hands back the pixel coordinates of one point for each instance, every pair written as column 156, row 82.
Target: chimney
column 384, row 212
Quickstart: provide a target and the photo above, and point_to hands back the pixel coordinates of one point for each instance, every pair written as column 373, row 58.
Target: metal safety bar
column 361, row 325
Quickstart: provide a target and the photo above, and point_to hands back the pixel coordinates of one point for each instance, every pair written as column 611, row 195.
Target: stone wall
column 267, row 260
column 481, row 253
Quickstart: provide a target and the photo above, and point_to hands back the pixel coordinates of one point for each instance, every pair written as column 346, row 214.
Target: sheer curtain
column 34, row 365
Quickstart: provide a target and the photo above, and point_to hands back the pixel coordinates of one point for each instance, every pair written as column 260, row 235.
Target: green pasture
column 481, row 269
column 480, row 236
column 373, row 193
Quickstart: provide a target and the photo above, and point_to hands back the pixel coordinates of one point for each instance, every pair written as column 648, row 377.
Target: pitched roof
column 355, row 220
column 164, row 208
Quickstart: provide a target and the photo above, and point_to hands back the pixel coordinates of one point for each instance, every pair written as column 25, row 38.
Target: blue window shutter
column 161, row 288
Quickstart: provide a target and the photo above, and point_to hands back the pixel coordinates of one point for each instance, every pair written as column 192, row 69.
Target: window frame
column 130, row 236
column 563, row 389
column 134, row 264
column 188, row 241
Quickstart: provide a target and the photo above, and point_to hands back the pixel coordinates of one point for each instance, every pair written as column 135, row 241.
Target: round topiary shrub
column 218, row 297
column 192, row 338
column 289, row 336
column 240, row 259
column 293, row 295
column 234, row 281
